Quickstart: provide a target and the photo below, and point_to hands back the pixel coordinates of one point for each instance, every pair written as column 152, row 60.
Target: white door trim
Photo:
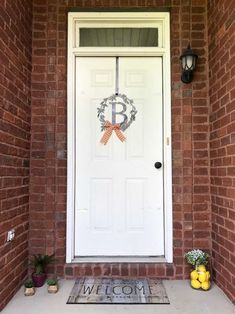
column 160, row 20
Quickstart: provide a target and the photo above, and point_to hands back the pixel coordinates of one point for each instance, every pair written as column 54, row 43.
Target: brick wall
column 189, row 125
column 190, row 131
column 15, row 75
column 221, row 23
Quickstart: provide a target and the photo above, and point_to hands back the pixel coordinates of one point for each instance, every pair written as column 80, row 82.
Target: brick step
column 161, row 270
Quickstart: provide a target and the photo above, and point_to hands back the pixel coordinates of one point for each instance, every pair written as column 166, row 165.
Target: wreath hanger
column 113, row 101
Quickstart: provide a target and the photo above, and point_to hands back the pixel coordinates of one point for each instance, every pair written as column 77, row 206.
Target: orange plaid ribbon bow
column 109, row 130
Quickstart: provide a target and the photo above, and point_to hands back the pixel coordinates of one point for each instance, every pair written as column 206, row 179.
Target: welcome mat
column 118, row 291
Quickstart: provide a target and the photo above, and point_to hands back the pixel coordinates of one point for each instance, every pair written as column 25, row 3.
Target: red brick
column 15, row 137
column 222, row 187
column 191, row 108
column 116, row 270
column 133, row 270
column 125, row 270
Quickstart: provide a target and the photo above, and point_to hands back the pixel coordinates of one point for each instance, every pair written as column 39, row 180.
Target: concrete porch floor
column 183, row 300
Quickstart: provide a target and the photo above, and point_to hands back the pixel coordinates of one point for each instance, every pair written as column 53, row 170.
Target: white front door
column 118, row 190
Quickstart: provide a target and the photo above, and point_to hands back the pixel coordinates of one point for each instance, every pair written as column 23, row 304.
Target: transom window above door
column 118, row 37
column 101, row 34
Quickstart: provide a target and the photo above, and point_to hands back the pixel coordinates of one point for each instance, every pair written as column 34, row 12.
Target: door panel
column 119, row 192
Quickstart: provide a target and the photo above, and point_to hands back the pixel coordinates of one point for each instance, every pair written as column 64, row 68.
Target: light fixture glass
column 188, row 63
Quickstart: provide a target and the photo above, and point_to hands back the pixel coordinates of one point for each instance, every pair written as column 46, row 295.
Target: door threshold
column 119, row 259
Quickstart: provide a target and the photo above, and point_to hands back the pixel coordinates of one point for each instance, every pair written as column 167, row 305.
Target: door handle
column 158, row 165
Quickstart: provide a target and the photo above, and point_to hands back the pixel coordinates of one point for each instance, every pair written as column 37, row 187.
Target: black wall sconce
column 188, row 63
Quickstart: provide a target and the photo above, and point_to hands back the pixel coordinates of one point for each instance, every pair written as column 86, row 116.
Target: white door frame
column 115, row 19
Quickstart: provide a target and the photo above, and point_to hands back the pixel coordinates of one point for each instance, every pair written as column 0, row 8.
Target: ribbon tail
column 120, row 135
column 106, row 136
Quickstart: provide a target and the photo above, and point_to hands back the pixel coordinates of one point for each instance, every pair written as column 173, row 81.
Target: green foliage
column 52, row 281
column 39, row 262
column 29, row 283
column 197, row 257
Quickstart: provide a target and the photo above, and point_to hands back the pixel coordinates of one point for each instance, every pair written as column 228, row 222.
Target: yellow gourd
column 194, row 275
column 208, row 276
column 200, row 278
column 195, row 284
column 205, row 285
column 201, row 268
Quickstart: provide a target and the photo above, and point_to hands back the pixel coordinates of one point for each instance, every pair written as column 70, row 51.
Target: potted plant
column 52, row 285
column 200, row 277
column 39, row 262
column 29, row 287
